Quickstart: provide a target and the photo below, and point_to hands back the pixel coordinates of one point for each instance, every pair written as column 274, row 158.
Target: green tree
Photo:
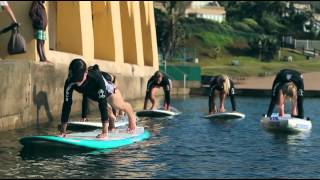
column 170, row 32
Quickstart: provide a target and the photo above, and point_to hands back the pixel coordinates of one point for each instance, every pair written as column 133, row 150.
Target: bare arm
column 9, row 10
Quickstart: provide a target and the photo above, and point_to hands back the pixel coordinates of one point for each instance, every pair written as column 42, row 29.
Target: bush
column 213, row 39
column 252, row 24
column 240, row 26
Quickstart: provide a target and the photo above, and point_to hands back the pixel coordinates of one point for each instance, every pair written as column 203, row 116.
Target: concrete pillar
column 74, row 28
column 131, row 32
column 107, row 31
column 87, row 31
column 149, row 34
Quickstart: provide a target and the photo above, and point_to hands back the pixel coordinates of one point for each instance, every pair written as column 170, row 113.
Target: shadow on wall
column 41, row 99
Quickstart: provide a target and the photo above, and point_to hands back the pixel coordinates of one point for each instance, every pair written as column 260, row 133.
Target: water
column 184, row 147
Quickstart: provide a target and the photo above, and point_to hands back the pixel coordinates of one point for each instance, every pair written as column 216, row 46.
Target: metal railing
column 176, row 70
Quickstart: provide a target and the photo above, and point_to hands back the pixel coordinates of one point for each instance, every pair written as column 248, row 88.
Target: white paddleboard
column 158, row 113
column 285, row 123
column 79, row 125
column 225, row 116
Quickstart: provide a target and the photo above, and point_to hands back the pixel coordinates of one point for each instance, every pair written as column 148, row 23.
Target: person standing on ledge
column 39, row 19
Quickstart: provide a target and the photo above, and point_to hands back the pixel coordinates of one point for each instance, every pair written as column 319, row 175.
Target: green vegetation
column 250, row 66
column 251, row 36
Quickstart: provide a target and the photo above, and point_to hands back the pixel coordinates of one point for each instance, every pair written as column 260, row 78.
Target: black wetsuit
column 285, row 76
column 165, row 84
column 215, row 86
column 97, row 87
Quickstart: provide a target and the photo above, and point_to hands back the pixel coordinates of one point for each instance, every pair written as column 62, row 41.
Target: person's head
column 224, row 83
column 77, row 71
column 158, row 77
column 289, row 91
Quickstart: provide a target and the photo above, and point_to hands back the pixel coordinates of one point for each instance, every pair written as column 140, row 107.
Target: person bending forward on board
column 94, row 85
column 158, row 80
column 287, row 84
column 221, row 86
column 111, row 111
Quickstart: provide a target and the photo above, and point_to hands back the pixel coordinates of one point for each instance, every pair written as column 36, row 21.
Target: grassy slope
column 205, row 42
column 250, row 66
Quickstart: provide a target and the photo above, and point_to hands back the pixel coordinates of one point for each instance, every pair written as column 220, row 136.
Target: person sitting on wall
column 95, row 86
column 158, row 80
column 221, row 86
column 288, row 84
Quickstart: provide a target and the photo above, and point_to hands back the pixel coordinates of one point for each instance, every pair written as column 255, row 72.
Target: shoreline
column 261, row 86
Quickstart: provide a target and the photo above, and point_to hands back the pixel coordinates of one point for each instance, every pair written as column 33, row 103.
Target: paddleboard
column 87, row 126
column 285, row 123
column 88, row 139
column 158, row 113
column 225, row 116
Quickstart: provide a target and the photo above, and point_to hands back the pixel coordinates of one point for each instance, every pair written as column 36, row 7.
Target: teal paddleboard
column 88, row 139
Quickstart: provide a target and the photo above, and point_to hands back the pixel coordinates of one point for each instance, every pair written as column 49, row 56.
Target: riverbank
column 261, row 86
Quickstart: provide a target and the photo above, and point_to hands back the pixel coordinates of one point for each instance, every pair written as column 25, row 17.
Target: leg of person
column 294, row 110
column 104, row 133
column 212, row 104
column 112, row 118
column 43, row 53
column 39, row 50
column 167, row 100
column 146, row 99
column 63, row 130
column 153, row 97
column 43, row 50
column 222, row 100
column 117, row 101
column 281, row 103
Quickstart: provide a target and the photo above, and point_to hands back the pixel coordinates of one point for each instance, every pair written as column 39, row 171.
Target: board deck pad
column 88, row 139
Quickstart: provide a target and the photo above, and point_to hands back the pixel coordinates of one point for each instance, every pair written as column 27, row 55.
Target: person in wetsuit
column 288, row 84
column 158, row 80
column 221, row 86
column 92, row 84
column 112, row 112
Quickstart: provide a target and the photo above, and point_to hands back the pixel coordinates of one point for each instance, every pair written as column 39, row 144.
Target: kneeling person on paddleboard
column 93, row 84
column 288, row 84
column 158, row 80
column 221, row 86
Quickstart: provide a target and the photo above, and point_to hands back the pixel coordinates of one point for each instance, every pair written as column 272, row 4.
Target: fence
column 181, row 54
column 307, row 47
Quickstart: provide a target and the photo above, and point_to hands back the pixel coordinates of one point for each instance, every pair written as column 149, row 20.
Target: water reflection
column 186, row 146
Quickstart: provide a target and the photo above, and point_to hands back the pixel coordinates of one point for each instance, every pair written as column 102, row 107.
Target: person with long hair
column 221, row 86
column 288, row 84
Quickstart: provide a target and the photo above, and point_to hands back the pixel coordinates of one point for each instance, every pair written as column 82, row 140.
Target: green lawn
column 250, row 66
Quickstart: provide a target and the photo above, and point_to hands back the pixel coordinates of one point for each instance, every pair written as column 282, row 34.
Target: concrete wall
column 33, row 93
column 105, row 33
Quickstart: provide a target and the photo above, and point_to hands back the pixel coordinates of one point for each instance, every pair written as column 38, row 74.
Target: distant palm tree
column 172, row 33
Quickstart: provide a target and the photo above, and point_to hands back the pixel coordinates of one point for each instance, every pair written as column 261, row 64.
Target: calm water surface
column 187, row 146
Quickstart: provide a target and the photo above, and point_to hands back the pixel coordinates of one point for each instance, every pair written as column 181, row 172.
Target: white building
column 207, row 10
column 299, row 8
